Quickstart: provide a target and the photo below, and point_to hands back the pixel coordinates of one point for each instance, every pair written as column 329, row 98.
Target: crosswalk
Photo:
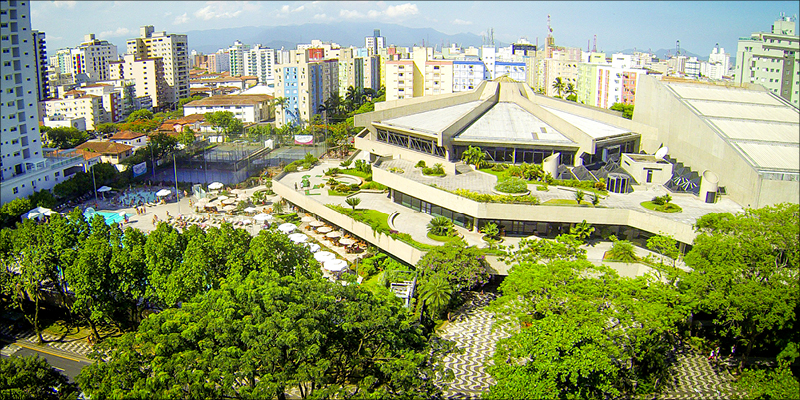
column 77, row 346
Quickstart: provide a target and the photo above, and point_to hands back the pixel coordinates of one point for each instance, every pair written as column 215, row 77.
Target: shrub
column 420, row 164
column 307, row 166
column 332, row 182
column 541, row 188
column 344, row 188
column 290, row 168
column 373, row 185
column 345, row 164
column 363, row 166
column 396, row 170
column 658, row 200
column 440, row 226
column 622, row 250
column 499, row 167
column 354, row 187
column 436, row 170
column 601, row 185
column 332, row 171
column 512, row 185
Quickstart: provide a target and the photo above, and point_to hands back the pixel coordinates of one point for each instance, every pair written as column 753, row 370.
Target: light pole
column 177, row 194
column 94, row 184
column 152, row 160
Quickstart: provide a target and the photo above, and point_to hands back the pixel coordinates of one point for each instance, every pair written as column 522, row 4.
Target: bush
column 601, row 185
column 345, row 164
column 396, row 170
column 499, row 167
column 332, row 171
column 436, row 170
column 290, row 168
column 307, row 166
column 420, row 164
column 373, row 185
column 542, row 188
column 363, row 166
column 342, row 187
column 512, row 185
column 354, row 187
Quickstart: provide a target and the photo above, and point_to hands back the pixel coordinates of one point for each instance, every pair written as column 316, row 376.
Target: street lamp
column 94, row 184
column 177, row 194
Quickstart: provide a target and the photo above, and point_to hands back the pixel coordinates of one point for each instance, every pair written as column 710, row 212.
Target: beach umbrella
column 250, row 209
column 229, row 201
column 204, row 200
column 223, row 198
column 287, row 227
column 237, row 191
column 298, row 237
column 163, row 192
column 262, row 217
column 323, row 256
column 324, row 229
column 215, row 186
column 346, row 241
column 229, row 208
column 333, row 235
column 307, row 219
column 335, row 265
column 316, row 223
column 104, row 189
column 313, row 247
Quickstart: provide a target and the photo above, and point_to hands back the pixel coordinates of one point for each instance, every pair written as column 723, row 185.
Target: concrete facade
column 174, row 53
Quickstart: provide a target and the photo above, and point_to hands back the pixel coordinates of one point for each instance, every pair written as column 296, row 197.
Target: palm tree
column 440, row 226
column 559, row 85
column 353, row 98
column 570, row 90
column 622, row 250
column 595, row 200
column 582, row 230
column 353, row 202
column 435, row 294
column 474, row 156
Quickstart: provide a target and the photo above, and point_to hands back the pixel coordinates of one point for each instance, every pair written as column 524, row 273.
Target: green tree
column 559, row 86
column 571, row 92
column 11, row 212
column 164, row 250
column 187, row 137
column 491, row 230
column 259, row 336
column 579, row 196
column 43, row 198
column 465, row 267
column 664, row 245
column 625, row 109
column 271, row 250
column 65, row 137
column 435, row 294
column 106, row 128
column 139, row 115
column 225, row 122
column 745, row 273
column 595, row 199
column 623, row 251
column 533, row 251
column 474, row 156
column 440, row 226
column 582, row 230
column 32, row 377
column 353, row 202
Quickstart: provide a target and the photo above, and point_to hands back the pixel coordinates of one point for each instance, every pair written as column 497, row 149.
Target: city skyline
column 618, row 25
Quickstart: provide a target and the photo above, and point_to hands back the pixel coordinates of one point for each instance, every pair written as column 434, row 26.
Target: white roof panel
column 510, row 122
column 738, row 129
column 778, row 156
column 745, row 111
column 433, row 121
column 721, row 93
column 595, row 129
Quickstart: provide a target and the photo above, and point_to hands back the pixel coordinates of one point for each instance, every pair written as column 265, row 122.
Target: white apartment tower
column 173, row 51
column 92, row 58
column 375, row 42
column 236, row 54
column 772, row 59
column 260, row 61
column 23, row 166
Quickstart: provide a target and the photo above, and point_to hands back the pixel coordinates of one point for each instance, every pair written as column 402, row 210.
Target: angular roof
column 104, row 147
column 127, row 135
column 760, row 126
column 510, row 122
column 433, row 121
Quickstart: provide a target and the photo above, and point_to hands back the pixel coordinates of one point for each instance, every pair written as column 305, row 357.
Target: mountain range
column 350, row 34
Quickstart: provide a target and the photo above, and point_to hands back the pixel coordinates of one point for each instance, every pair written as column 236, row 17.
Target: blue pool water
column 111, row 218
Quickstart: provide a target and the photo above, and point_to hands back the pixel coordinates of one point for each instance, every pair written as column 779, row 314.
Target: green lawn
column 565, row 202
column 332, row 192
column 667, row 208
column 499, row 174
column 355, row 172
column 443, row 239
column 379, row 222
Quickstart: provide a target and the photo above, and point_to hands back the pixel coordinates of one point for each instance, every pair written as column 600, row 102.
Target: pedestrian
column 295, row 186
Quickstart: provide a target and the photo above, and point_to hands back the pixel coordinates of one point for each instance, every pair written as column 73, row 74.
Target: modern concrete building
column 468, row 74
column 260, row 61
column 25, row 167
column 147, row 75
column 772, row 59
column 174, row 53
column 375, row 42
column 718, row 65
column 77, row 103
column 740, row 142
column 506, row 119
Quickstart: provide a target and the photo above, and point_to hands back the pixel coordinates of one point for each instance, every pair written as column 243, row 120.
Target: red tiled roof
column 126, row 135
column 104, row 147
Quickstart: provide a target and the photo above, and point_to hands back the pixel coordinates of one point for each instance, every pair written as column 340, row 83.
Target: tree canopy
column 33, row 378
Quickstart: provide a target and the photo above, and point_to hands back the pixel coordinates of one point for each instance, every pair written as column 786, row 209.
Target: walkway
column 471, row 329
column 77, row 347
column 696, row 378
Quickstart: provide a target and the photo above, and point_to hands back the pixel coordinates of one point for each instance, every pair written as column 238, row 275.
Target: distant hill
column 349, row 34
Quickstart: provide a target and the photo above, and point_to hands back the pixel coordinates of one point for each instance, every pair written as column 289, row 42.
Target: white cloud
column 181, row 19
column 461, row 22
column 350, row 14
column 320, row 16
column 68, row 4
column 285, row 9
column 298, row 9
column 168, row 13
column 402, row 10
column 122, row 31
column 224, row 9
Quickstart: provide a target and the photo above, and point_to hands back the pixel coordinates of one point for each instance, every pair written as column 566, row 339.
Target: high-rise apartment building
column 147, row 75
column 219, row 62
column 467, row 74
column 92, row 57
column 173, row 51
column 772, row 59
column 375, row 42
column 718, row 65
column 236, row 55
column 306, row 86
column 259, row 61
column 40, row 50
column 24, row 168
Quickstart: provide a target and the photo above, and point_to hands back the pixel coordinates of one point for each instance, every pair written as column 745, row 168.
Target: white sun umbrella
column 335, row 265
column 298, row 237
column 104, row 189
column 237, row 191
column 333, row 235
column 229, row 208
column 229, row 201
column 204, row 200
column 222, row 198
column 346, row 241
column 262, row 217
column 250, row 209
column 287, row 227
column 316, row 223
column 323, row 256
column 324, row 229
column 313, row 247
column 215, row 186
column 307, row 219
column 163, row 192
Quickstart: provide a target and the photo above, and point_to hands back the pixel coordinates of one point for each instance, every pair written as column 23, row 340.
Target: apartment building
column 236, row 56
column 306, row 86
column 514, row 70
column 772, row 59
column 467, row 74
column 438, row 77
column 375, row 42
column 147, row 75
column 110, row 100
column 25, row 167
column 174, row 54
column 92, row 57
column 718, row 65
column 260, row 62
column 219, row 62
column 77, row 103
column 602, row 84
column 40, row 50
column 248, row 108
column 399, row 79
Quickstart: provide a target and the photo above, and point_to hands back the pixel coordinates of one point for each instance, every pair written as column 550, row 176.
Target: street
column 67, row 365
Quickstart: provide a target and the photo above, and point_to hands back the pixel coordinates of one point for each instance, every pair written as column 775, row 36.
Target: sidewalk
column 74, row 349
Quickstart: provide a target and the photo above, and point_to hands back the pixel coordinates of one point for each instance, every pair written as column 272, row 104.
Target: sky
column 698, row 25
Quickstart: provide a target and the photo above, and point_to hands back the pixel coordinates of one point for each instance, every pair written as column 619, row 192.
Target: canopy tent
column 298, row 237
column 163, row 192
column 262, row 217
column 335, row 265
column 215, row 186
column 323, row 256
column 316, row 223
column 287, row 227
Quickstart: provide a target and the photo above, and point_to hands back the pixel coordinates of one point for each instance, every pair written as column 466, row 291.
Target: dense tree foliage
column 257, row 337
column 33, row 378
column 463, row 267
column 64, row 137
column 625, row 109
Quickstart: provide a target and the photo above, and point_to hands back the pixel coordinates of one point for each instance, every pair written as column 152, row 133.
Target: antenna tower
column 677, row 48
column 594, row 46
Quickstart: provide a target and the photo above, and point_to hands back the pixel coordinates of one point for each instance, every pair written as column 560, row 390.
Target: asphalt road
column 68, row 366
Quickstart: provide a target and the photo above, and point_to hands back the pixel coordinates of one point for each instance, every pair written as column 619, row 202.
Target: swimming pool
column 133, row 198
column 111, row 218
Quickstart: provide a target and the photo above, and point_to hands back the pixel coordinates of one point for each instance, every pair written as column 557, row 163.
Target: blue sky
column 618, row 25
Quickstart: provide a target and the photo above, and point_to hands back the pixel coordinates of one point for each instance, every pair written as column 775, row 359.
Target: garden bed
column 666, row 208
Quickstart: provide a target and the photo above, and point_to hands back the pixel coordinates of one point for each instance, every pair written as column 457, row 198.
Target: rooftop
column 241, row 99
column 103, row 147
column 510, row 122
column 433, row 121
column 127, row 135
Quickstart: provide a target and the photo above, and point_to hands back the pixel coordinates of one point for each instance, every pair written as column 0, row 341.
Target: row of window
column 421, row 145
